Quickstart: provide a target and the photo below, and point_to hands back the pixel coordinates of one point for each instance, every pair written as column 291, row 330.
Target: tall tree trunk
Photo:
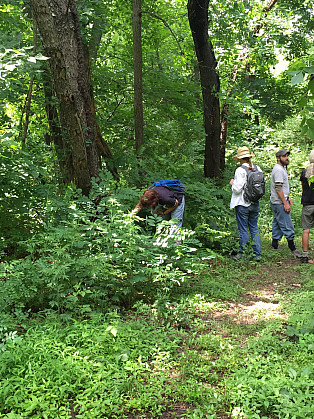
column 138, row 75
column 64, row 155
column 198, row 19
column 59, row 27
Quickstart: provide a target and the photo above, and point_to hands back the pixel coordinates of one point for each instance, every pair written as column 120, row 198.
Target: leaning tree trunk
column 138, row 76
column 59, row 27
column 198, row 19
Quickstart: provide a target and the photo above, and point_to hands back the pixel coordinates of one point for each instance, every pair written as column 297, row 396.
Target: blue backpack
column 171, row 184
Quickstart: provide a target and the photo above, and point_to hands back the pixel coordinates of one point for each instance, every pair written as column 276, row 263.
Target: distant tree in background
column 198, row 19
column 138, row 76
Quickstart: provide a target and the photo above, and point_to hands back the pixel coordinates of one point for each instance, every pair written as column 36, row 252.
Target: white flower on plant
column 237, row 413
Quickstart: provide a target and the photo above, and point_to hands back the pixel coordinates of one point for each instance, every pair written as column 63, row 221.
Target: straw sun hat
column 242, row 153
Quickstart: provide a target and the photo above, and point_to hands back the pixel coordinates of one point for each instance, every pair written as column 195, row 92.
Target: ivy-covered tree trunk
column 59, row 27
column 198, row 20
column 138, row 77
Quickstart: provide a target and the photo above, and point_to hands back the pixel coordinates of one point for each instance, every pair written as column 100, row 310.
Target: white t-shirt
column 278, row 174
column 240, row 177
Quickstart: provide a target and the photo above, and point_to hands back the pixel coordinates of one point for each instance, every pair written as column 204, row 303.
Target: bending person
column 163, row 201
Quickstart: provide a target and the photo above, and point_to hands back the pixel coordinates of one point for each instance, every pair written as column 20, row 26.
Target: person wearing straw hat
column 307, row 200
column 246, row 212
column 281, row 203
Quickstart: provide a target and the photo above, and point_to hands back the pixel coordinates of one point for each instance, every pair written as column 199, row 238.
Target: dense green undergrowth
column 108, row 315
column 149, row 359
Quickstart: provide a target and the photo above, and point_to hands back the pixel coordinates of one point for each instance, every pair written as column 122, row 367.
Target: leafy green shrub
column 205, row 203
column 211, row 238
column 25, row 192
column 96, row 257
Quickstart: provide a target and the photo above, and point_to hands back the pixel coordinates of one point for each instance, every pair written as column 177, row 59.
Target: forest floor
column 259, row 300
column 268, row 288
column 234, row 341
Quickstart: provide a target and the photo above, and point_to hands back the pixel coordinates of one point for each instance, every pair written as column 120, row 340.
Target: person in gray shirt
column 281, row 203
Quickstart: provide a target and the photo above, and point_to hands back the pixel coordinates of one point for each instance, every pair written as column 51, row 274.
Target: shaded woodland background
column 99, row 99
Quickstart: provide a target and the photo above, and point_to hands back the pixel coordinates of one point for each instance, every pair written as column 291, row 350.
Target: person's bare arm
column 283, row 199
column 137, row 209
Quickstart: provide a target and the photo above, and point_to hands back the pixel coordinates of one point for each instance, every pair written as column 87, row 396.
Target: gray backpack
column 254, row 189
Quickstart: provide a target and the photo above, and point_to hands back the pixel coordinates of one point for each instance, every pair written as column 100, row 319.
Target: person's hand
column 231, row 182
column 135, row 210
column 159, row 212
column 287, row 207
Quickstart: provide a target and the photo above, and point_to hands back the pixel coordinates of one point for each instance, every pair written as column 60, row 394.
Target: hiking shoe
column 304, row 259
column 297, row 253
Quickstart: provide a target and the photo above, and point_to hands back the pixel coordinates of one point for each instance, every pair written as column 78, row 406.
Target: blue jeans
column 282, row 223
column 247, row 218
column 177, row 213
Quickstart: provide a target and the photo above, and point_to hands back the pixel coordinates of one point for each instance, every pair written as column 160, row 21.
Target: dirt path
column 264, row 291
column 260, row 301
column 262, row 294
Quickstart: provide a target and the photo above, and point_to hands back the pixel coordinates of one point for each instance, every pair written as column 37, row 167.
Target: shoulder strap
column 247, row 168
